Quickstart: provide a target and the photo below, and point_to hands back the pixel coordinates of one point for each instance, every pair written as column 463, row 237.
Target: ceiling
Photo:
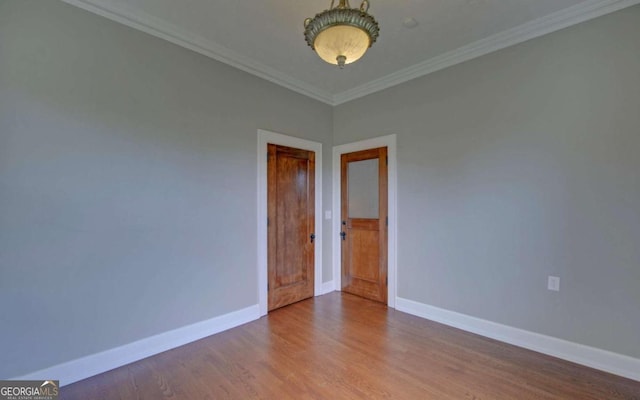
column 265, row 37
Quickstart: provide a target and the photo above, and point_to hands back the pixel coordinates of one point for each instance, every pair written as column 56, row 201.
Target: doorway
column 290, row 225
column 364, row 223
column 264, row 139
column 389, row 142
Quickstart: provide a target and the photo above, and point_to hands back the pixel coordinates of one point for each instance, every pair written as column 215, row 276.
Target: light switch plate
column 553, row 283
column 327, row 214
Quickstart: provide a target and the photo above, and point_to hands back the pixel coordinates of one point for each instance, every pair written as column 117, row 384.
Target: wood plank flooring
column 340, row 346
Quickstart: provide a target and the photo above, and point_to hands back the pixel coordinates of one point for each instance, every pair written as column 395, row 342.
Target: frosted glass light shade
column 342, row 40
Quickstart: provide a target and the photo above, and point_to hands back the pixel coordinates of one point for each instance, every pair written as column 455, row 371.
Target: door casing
column 264, row 138
column 390, row 142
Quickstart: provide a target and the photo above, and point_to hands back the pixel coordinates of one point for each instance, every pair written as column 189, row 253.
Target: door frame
column 264, row 138
column 389, row 142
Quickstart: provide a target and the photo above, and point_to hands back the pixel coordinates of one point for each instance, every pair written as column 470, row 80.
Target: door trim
column 389, row 142
column 264, row 138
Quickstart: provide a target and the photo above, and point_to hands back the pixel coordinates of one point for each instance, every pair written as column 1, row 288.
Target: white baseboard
column 98, row 363
column 328, row 287
column 603, row 360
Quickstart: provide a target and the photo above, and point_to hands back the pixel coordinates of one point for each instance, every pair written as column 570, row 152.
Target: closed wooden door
column 290, row 225
column 364, row 223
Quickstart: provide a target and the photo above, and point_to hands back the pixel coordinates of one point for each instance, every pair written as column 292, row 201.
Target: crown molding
column 561, row 19
column 156, row 27
column 553, row 22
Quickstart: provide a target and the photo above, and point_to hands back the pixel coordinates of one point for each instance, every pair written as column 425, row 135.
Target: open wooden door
column 364, row 223
column 291, row 225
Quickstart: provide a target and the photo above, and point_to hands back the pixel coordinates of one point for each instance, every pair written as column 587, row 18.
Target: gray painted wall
column 127, row 183
column 518, row 165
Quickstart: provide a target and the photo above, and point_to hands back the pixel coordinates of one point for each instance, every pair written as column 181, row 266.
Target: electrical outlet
column 553, row 283
column 327, row 214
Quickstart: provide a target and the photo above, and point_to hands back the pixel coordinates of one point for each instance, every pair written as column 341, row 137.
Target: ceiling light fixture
column 341, row 34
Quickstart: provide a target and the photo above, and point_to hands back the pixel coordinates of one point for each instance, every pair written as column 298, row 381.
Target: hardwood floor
column 340, row 346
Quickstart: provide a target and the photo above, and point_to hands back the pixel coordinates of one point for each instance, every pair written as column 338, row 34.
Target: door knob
column 313, row 236
column 343, row 234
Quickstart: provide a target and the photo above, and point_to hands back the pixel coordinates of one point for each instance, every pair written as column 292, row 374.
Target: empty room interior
column 196, row 203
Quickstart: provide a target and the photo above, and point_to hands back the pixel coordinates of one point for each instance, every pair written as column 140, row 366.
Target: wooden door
column 364, row 223
column 290, row 225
